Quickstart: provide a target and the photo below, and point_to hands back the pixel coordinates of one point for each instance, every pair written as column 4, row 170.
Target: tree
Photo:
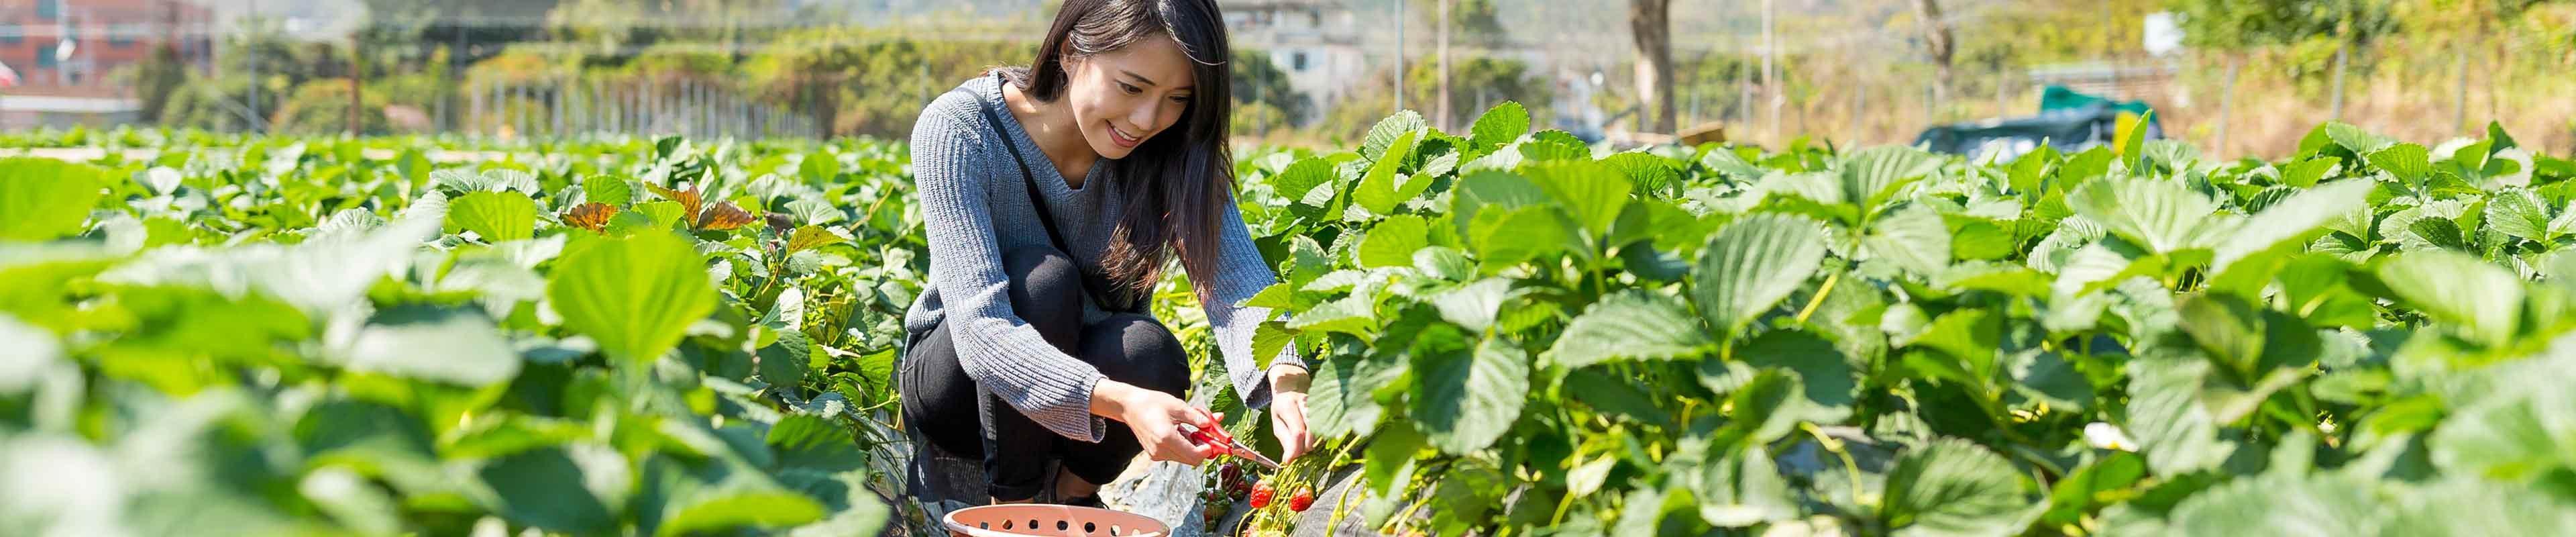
column 1258, row 83
column 1650, row 23
column 158, row 77
column 1936, row 40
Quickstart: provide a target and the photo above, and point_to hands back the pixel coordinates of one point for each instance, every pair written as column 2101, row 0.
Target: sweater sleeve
column 1243, row 274
column 1000, row 351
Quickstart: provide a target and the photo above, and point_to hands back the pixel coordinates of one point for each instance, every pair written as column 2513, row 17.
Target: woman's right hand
column 1156, row 418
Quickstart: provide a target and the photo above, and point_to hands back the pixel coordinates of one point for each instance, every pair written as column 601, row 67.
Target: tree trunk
column 1445, row 120
column 1936, row 40
column 1650, row 22
column 357, row 75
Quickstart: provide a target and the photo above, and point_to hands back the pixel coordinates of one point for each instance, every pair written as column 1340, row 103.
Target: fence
column 596, row 105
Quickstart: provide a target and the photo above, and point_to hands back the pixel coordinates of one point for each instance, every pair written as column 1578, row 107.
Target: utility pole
column 357, row 74
column 1399, row 54
column 258, row 123
column 1443, row 106
column 1770, row 72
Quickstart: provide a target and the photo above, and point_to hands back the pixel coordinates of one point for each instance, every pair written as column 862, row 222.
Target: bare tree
column 1650, row 22
column 1936, row 40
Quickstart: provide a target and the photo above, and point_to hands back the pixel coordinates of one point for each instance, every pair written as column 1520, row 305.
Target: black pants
column 962, row 418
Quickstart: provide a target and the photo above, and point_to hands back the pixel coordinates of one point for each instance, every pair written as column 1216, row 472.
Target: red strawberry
column 1303, row 499
column 1261, row 495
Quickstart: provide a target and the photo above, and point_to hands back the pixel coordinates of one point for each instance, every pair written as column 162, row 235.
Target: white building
column 1316, row 42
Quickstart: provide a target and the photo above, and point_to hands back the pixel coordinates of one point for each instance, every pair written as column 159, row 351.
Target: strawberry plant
column 1511, row 332
column 1514, row 330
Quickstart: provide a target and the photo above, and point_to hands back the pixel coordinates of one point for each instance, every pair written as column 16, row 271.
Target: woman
column 1055, row 195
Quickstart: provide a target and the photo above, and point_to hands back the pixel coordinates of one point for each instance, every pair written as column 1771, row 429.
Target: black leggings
column 961, row 417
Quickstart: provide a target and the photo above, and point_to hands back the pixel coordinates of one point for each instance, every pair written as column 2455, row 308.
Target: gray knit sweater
column 976, row 208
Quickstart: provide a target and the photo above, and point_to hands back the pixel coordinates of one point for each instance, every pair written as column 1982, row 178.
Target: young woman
column 1055, row 195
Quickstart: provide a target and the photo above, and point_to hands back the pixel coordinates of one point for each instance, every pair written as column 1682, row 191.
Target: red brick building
column 106, row 35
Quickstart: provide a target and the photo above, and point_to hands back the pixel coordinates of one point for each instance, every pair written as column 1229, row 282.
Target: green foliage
column 293, row 336
column 1884, row 341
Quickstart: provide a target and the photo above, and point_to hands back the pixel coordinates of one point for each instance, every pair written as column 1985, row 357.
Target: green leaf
column 2511, row 438
column 1465, row 400
column 1633, row 324
column 1652, row 174
column 2353, row 138
column 607, row 189
column 1269, row 340
column 2226, row 326
column 1339, row 400
column 2518, row 212
column 1490, row 190
column 1383, row 187
column 819, row 167
column 2474, row 507
column 1824, row 374
column 2306, row 173
column 2282, row 503
column 1500, row 125
column 1751, row 265
column 783, row 364
column 808, row 442
column 2173, row 429
column 451, row 346
column 1729, row 165
column 1505, row 238
column 634, row 295
column 744, row 508
column 42, row 199
column 1444, row 263
column 1474, row 305
column 1913, row 237
column 1298, row 182
column 1384, row 134
column 2457, row 288
column 545, row 488
column 1743, row 489
column 1871, row 176
column 2301, row 214
column 1392, row 242
column 2409, row 162
column 496, row 216
column 2132, row 137
column 1955, row 487
column 1590, row 192
column 2162, row 215
column 663, row 213
column 1353, row 315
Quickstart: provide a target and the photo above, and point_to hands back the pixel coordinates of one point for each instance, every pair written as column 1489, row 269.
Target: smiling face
column 1124, row 97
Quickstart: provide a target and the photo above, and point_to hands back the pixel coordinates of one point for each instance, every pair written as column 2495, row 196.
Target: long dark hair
column 1175, row 183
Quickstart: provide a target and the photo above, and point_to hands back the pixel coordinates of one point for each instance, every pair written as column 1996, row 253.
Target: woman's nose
column 1142, row 119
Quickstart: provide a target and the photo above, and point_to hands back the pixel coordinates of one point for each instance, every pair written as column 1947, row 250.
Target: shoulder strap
column 1037, row 199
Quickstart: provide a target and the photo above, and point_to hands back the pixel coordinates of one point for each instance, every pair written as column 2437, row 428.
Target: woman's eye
column 1183, row 99
column 1131, row 90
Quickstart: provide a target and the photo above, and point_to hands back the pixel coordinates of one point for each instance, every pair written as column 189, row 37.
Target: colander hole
column 1006, row 524
column 1033, row 524
column 1090, row 528
column 984, row 525
column 1114, row 530
column 1062, row 525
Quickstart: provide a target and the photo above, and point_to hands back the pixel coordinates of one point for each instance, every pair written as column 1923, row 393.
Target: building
column 1316, row 42
column 67, row 48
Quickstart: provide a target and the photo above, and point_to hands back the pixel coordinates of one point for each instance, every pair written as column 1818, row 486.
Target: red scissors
column 1227, row 443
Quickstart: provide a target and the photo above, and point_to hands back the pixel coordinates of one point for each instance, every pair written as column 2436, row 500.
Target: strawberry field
column 1513, row 333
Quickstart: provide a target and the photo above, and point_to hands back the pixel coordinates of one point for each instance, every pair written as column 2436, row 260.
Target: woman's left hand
column 1288, row 412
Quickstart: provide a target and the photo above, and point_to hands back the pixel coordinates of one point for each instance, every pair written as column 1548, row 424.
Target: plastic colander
column 1035, row 520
